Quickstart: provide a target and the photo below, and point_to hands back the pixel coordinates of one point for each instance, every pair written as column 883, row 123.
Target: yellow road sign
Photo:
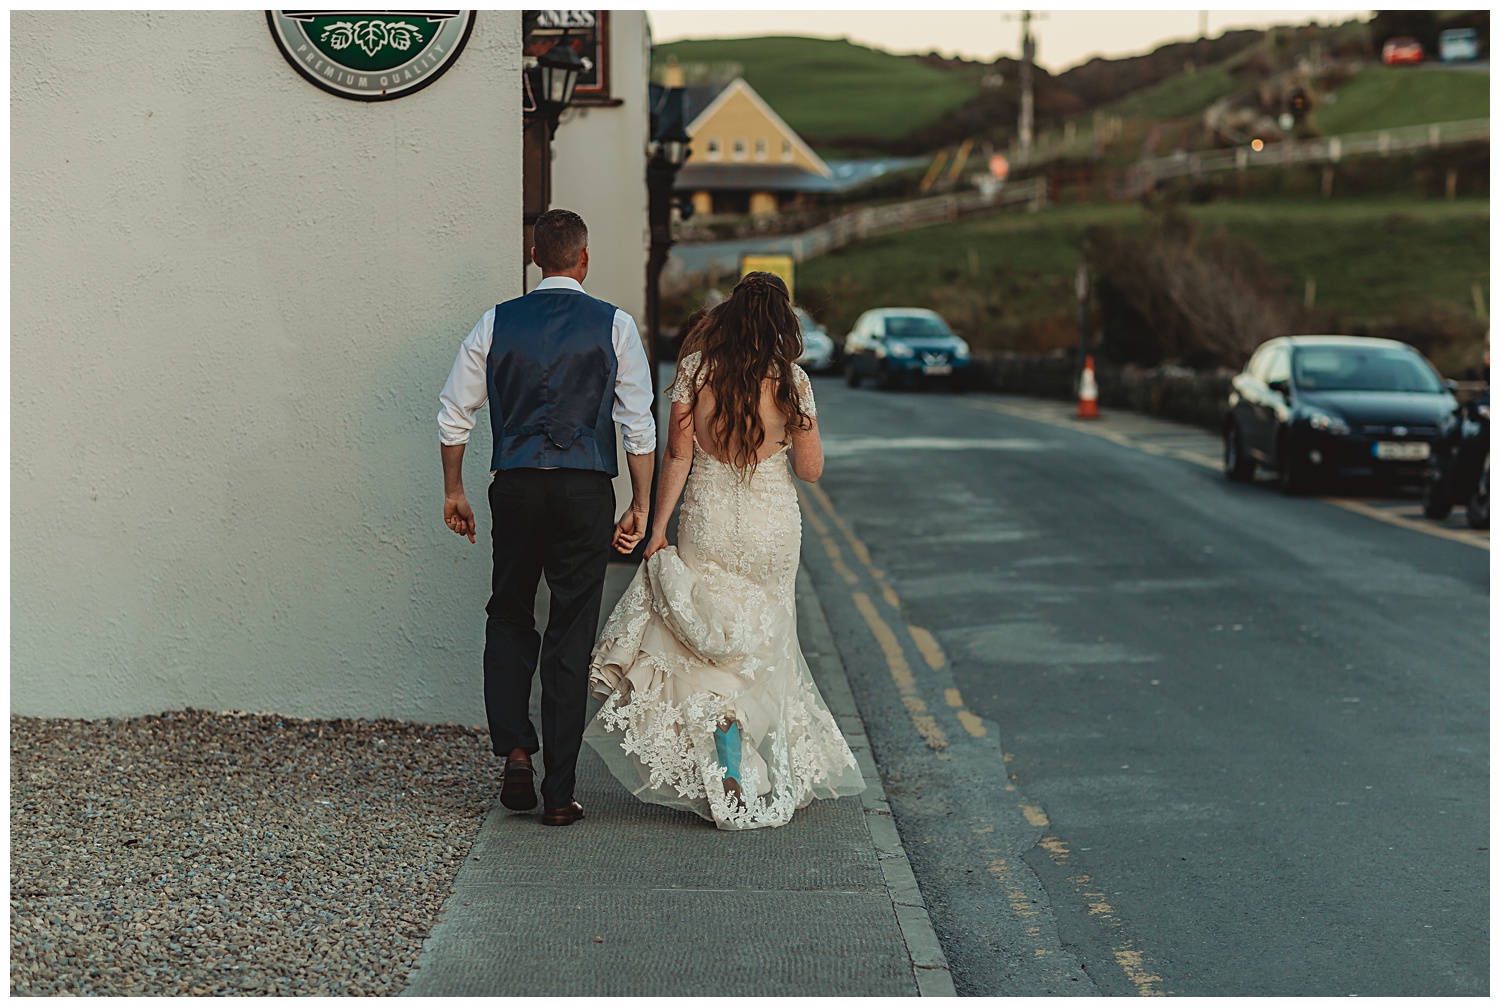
column 782, row 265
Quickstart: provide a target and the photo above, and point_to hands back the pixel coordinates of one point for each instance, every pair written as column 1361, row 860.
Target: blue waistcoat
column 551, row 374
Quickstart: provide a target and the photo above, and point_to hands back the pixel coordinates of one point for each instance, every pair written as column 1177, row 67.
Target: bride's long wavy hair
column 751, row 336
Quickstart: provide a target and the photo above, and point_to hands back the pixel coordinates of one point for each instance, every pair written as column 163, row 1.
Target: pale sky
column 1064, row 37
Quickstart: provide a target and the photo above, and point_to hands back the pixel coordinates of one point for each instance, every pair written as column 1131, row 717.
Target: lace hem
column 672, row 745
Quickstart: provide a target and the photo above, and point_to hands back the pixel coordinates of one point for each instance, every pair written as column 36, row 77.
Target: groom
column 559, row 369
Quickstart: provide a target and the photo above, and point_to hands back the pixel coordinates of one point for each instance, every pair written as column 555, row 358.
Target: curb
column 929, row 965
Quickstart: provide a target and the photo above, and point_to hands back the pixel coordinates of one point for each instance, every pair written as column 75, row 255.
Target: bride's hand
column 655, row 543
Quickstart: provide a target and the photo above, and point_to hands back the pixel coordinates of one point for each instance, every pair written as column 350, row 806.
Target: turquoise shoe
column 728, row 745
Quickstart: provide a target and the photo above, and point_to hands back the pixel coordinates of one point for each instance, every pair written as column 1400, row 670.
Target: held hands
column 630, row 530
column 458, row 515
column 657, row 542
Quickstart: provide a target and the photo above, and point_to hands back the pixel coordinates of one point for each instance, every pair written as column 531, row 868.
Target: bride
column 709, row 705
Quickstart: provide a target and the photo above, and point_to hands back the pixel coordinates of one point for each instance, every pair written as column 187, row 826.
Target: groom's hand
column 630, row 530
column 458, row 515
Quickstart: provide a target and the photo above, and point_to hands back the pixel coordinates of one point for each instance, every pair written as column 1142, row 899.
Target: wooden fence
column 873, row 220
column 1142, row 176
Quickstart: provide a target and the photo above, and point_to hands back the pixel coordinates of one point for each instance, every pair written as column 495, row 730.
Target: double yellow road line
column 885, row 637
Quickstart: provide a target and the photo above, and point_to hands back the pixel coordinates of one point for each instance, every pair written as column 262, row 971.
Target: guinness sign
column 371, row 55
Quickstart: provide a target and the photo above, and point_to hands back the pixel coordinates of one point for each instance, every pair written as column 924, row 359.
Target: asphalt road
column 1145, row 731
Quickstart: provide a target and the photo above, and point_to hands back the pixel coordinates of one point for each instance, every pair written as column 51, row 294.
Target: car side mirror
column 1282, row 386
column 1450, row 384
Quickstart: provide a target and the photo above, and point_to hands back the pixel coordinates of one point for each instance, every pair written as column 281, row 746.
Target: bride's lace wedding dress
column 707, row 634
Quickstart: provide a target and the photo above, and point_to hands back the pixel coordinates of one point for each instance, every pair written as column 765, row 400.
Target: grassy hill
column 1382, row 97
column 1005, row 280
column 832, row 91
column 849, row 100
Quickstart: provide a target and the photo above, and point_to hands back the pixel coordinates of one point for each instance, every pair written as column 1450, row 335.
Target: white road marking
column 1054, row 414
column 843, row 447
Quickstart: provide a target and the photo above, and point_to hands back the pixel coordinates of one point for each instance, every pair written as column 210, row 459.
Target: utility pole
column 1028, row 55
column 1025, row 131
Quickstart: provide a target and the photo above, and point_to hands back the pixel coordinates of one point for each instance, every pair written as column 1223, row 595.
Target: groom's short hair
column 559, row 236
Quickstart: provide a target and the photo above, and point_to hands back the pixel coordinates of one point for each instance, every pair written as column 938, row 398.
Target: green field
column 1005, row 280
column 1181, row 95
column 829, row 90
column 1383, row 97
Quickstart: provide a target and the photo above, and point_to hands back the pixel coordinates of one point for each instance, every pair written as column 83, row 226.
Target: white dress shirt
column 467, row 389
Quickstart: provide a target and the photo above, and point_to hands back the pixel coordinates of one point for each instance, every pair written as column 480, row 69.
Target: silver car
column 817, row 347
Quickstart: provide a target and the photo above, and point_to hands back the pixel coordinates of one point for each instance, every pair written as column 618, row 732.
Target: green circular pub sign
column 371, row 55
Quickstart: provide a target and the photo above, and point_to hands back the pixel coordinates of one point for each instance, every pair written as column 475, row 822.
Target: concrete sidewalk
column 642, row 900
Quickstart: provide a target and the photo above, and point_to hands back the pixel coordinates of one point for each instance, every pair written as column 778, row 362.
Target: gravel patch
column 227, row 853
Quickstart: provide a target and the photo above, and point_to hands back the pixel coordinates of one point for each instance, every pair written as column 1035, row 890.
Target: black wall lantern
column 672, row 144
column 551, row 82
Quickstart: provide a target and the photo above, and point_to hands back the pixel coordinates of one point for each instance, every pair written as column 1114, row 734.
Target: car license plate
column 1402, row 451
column 938, row 369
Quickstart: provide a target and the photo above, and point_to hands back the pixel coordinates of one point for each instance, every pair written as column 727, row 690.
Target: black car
column 1312, row 407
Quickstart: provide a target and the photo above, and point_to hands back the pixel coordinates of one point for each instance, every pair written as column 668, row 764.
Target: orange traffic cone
column 1088, row 392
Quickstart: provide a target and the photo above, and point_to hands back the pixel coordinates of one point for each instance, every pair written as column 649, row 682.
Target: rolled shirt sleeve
column 466, row 389
column 633, row 396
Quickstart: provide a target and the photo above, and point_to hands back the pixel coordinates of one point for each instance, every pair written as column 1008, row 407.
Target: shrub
column 1169, row 296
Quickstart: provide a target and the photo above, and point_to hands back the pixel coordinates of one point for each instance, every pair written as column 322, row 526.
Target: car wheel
column 1478, row 511
column 1437, row 503
column 1238, row 466
column 1295, row 479
column 851, row 376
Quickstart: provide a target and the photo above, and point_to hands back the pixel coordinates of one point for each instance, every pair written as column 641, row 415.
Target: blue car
column 903, row 346
column 1458, row 45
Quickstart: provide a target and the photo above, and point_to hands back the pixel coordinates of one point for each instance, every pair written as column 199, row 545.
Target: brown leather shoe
column 517, row 792
column 573, row 812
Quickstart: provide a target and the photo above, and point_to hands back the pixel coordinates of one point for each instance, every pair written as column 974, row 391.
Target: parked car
column 1403, row 49
column 1312, row 407
column 818, row 351
column 898, row 346
column 1459, row 470
column 1458, row 45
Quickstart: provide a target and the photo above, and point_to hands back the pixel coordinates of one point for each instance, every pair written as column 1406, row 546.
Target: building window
column 739, row 148
column 786, row 150
column 760, row 148
column 714, row 150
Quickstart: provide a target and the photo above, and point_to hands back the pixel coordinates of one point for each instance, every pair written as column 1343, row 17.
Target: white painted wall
column 599, row 172
column 234, row 300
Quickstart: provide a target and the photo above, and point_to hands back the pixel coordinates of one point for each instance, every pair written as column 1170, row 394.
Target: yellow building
column 745, row 159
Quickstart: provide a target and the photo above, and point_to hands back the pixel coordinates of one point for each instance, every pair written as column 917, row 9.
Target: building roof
column 697, row 119
column 760, row 177
column 698, row 97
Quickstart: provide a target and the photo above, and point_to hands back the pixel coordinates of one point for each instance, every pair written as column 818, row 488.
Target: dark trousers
column 558, row 522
